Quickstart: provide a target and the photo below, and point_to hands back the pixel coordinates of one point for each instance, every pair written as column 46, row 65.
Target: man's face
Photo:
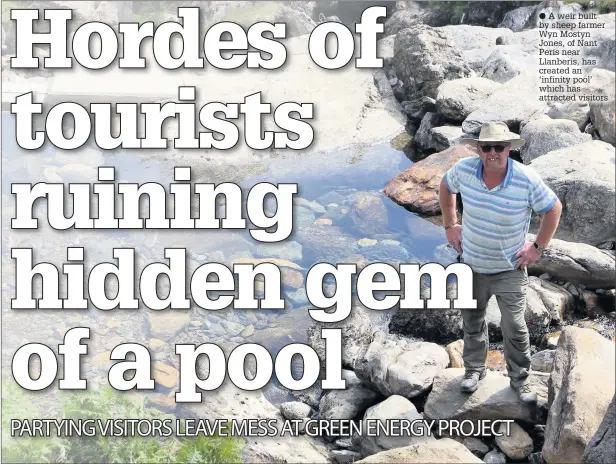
column 494, row 156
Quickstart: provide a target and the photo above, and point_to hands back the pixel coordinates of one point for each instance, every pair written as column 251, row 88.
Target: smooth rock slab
column 444, row 450
column 394, row 407
column 516, row 101
column 458, row 98
column 295, row 410
column 583, row 178
column 494, row 398
column 581, row 388
column 543, row 135
column 396, row 366
column 347, row 404
column 577, row 263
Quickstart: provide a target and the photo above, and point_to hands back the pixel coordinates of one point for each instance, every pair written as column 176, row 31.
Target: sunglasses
column 497, row 148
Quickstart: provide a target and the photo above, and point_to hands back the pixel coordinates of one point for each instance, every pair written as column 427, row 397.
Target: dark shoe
column 471, row 379
column 525, row 393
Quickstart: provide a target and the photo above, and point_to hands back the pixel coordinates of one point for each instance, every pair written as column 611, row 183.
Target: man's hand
column 528, row 255
column 454, row 237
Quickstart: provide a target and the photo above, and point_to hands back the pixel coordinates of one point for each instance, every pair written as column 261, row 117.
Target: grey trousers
column 510, row 290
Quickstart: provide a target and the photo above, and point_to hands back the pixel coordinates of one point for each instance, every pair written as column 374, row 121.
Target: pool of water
column 331, row 223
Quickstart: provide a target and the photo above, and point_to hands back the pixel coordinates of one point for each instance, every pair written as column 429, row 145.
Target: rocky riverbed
column 368, row 193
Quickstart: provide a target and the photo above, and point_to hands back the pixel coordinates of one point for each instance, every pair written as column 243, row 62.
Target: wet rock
column 165, row 375
column 368, row 213
column 417, row 109
column 582, row 177
column 435, row 325
column 543, row 135
column 542, row 361
column 295, row 410
column 443, row 450
column 601, row 446
column 424, row 58
column 287, row 250
column 165, row 325
column 356, row 333
column 517, row 445
column 455, row 351
column 578, row 395
column 417, row 188
column 494, row 398
column 458, row 98
column 395, row 407
column 495, row 457
column 310, row 396
column 327, row 244
column 347, row 404
column 517, row 19
column 396, row 366
column 516, row 101
column 577, row 263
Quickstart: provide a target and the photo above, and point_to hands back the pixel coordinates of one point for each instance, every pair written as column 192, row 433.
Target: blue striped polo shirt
column 495, row 222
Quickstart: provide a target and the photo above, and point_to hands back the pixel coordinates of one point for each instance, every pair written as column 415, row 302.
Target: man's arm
column 549, row 224
column 453, row 230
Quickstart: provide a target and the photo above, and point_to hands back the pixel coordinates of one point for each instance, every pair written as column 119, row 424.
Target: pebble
column 495, row 457
column 367, row 242
column 248, row 331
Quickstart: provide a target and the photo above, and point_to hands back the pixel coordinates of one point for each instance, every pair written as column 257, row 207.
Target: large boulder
column 470, row 37
column 602, row 445
column 431, row 137
column 395, row 407
column 347, row 404
column 424, row 58
column 357, row 332
column 505, row 63
column 577, row 263
column 403, row 19
column 444, row 450
column 458, row 98
column 543, row 135
column 494, row 399
column 583, row 178
column 417, row 188
column 398, row 366
column 517, row 445
column 556, row 300
column 580, row 389
column 517, row 19
column 603, row 118
column 516, row 101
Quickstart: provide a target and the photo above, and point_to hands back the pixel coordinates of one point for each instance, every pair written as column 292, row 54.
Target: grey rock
column 543, row 135
column 446, row 136
column 542, row 361
column 356, row 333
column 583, row 178
column 423, row 137
column 424, row 58
column 577, row 263
column 581, row 388
column 517, row 445
column 310, row 396
column 417, row 109
column 395, row 407
column 494, row 398
column 458, row 98
column 396, row 366
column 517, row 19
column 347, row 404
column 506, row 63
column 603, row 119
column 471, row 37
column 495, row 457
column 516, row 101
column 602, row 445
column 403, row 19
column 294, row 410
column 443, row 450
column 476, row 446
column 344, row 456
column 577, row 111
column 557, row 300
column 368, row 213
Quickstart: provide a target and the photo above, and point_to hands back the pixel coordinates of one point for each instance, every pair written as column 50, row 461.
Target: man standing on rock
column 499, row 195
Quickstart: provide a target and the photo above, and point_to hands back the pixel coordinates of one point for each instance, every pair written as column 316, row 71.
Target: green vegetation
column 105, row 404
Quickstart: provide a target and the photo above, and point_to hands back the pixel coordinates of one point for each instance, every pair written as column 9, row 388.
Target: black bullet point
column 542, row 15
